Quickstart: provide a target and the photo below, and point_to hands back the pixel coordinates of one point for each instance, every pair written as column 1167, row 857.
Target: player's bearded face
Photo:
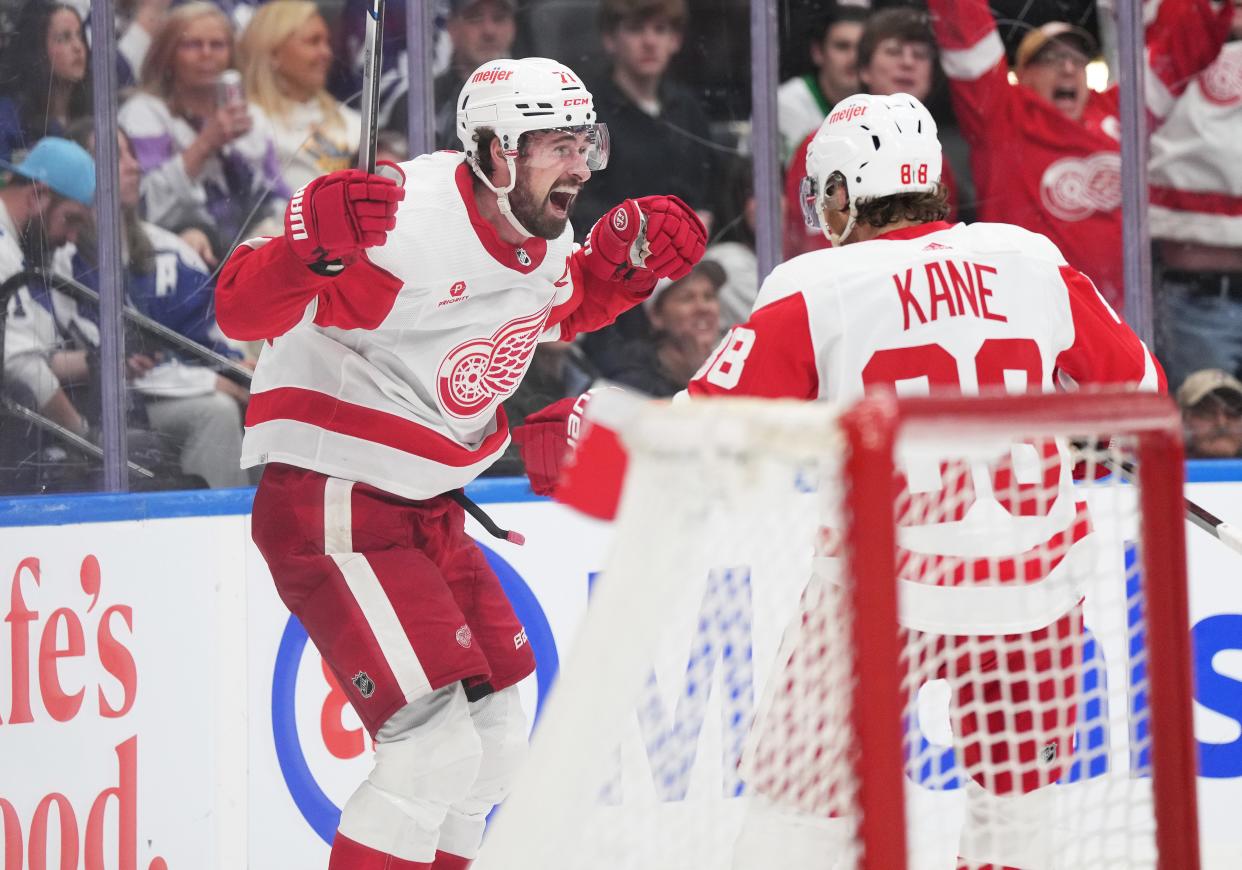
column 550, row 177
column 544, row 210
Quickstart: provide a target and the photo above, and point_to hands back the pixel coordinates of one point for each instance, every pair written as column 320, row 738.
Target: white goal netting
column 709, row 713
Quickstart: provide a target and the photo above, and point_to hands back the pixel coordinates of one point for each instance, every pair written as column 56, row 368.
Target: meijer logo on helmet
column 847, row 114
column 495, row 74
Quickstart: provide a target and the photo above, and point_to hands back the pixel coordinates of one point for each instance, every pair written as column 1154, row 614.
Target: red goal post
column 871, row 429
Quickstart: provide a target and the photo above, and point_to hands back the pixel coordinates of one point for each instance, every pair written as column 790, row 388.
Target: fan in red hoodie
column 1045, row 154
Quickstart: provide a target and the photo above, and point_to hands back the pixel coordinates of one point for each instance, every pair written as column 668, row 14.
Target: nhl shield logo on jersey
column 1049, row 753
column 523, row 257
column 364, row 684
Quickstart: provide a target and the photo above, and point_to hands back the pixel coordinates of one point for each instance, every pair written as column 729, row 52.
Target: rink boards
column 160, row 710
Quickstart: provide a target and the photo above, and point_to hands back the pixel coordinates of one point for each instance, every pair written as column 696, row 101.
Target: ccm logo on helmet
column 495, row 74
column 848, row 113
column 577, row 101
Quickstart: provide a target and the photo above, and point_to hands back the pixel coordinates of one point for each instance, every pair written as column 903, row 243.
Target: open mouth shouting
column 561, row 200
column 1065, row 97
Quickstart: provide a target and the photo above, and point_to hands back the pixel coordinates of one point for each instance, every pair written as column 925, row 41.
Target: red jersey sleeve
column 973, row 58
column 771, row 356
column 595, row 302
column 264, row 291
column 1105, row 350
column 1184, row 39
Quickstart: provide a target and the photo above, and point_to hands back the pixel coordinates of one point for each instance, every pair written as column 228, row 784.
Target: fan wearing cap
column 1045, row 154
column 44, row 204
column 685, row 326
column 399, row 316
column 1211, row 403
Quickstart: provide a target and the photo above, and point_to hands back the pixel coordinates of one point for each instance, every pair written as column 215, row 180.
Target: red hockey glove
column 675, row 236
column 658, row 233
column 335, row 216
column 546, row 439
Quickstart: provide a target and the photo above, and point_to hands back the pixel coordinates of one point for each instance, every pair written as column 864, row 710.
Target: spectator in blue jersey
column 209, row 170
column 196, row 412
column 43, row 76
column 45, row 200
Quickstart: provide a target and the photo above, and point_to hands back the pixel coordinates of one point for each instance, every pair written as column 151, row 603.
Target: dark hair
column 485, row 136
column 825, row 21
column 141, row 251
column 902, row 23
column 614, row 13
column 921, row 207
column 26, row 71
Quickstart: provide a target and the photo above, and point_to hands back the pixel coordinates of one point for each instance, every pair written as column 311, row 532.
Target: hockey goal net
column 941, row 633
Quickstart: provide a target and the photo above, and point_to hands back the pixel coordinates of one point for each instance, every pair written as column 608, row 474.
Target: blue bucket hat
column 64, row 166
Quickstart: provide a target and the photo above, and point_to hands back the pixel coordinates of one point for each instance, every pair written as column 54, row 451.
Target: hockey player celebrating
column 908, row 302
column 399, row 317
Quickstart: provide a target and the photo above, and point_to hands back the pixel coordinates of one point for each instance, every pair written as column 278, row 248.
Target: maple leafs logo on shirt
column 483, row 371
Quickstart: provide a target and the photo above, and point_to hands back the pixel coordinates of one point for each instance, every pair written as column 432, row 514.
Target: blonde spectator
column 208, row 163
column 285, row 56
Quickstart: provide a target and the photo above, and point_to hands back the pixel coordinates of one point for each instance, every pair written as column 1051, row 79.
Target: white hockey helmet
column 515, row 96
column 869, row 147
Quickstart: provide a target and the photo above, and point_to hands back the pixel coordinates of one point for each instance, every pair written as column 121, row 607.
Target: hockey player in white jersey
column 905, row 301
column 398, row 319
column 908, row 302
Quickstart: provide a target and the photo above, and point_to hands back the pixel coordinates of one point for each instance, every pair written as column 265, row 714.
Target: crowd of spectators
column 226, row 108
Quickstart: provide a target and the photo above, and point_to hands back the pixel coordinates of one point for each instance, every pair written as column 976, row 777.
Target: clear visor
column 567, row 148
column 835, row 198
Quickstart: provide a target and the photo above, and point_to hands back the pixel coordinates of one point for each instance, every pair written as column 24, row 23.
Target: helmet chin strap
column 502, row 194
column 839, row 239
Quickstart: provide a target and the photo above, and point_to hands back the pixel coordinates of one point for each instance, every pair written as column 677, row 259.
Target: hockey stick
column 372, row 60
column 1209, row 522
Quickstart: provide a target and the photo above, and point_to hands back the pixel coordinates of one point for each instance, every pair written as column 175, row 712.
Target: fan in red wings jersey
column 1045, row 154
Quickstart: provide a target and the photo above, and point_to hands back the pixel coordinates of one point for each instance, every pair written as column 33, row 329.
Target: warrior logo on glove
column 337, row 215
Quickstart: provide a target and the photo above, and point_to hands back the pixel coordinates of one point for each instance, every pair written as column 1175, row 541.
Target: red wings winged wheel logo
column 482, row 371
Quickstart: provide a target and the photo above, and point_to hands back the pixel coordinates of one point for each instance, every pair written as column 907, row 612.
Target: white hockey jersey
column 1196, row 184
column 958, row 309
column 393, row 372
